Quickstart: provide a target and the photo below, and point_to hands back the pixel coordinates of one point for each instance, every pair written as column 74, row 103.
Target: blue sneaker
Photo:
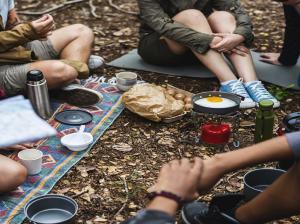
column 258, row 92
column 237, row 87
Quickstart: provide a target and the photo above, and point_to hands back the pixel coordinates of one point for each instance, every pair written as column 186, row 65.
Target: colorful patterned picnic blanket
column 57, row 160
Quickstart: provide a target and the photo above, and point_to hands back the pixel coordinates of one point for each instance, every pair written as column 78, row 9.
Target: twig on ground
column 100, row 32
column 126, row 200
column 110, row 2
column 80, row 193
column 57, row 7
column 93, row 9
column 31, row 6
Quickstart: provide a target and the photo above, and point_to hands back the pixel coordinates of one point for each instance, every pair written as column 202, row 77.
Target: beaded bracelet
column 180, row 201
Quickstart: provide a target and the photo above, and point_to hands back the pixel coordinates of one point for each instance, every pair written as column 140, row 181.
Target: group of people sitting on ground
column 172, row 32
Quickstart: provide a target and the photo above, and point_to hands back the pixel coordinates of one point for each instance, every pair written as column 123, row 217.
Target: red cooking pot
column 215, row 133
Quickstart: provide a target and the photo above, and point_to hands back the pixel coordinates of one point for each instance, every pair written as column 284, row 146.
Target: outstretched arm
column 272, row 150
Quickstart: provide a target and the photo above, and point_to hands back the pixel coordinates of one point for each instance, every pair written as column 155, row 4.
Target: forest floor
column 107, row 180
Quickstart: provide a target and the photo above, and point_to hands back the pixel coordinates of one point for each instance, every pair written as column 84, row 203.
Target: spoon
column 81, row 129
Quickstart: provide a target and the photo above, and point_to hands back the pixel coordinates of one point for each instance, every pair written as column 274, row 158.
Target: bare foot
column 271, row 58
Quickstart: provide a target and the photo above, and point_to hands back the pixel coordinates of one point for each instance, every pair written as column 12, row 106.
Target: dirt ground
column 110, row 185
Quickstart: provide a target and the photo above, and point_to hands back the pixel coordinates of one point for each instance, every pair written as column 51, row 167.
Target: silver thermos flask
column 37, row 91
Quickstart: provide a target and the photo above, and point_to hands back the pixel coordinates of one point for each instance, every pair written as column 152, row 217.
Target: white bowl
column 77, row 141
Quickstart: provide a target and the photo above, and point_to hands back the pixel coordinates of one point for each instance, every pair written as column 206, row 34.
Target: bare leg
column 57, row 73
column 12, row 174
column 224, row 22
column 73, row 42
column 280, row 200
column 197, row 21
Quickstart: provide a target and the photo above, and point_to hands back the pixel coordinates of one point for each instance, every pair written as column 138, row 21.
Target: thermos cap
column 266, row 104
column 35, row 76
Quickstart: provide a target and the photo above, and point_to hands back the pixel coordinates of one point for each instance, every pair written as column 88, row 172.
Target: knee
column 190, row 16
column 18, row 175
column 222, row 17
column 83, row 31
column 63, row 73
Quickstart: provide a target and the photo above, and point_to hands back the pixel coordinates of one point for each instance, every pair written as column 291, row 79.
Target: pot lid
column 74, row 117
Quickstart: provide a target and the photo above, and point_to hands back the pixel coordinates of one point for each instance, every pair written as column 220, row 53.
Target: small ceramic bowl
column 77, row 141
column 126, row 80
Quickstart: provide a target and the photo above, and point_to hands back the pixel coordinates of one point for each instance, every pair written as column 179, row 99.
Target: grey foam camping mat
column 278, row 75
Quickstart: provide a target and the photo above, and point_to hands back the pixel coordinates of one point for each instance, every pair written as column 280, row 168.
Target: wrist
column 164, row 204
column 220, row 163
column 241, row 38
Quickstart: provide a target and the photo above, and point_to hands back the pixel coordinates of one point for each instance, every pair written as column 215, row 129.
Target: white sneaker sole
column 247, row 105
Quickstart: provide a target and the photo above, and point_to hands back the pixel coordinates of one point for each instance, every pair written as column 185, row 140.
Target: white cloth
column 20, row 124
column 5, row 7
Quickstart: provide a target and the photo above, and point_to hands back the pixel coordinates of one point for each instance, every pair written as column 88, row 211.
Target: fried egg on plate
column 215, row 102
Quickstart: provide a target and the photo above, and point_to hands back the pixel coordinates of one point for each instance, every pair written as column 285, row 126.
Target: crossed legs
column 217, row 22
column 72, row 42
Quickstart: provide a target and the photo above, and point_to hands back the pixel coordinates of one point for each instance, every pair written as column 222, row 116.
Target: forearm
column 271, row 150
column 19, row 35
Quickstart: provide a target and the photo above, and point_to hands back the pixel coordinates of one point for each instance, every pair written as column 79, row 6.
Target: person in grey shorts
column 62, row 55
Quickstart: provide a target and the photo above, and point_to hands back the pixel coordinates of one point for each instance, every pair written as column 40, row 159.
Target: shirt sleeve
column 151, row 217
column 243, row 21
column 294, row 142
column 19, row 35
column 11, row 4
column 154, row 16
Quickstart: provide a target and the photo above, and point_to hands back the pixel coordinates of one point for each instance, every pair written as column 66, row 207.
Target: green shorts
column 13, row 77
column 155, row 51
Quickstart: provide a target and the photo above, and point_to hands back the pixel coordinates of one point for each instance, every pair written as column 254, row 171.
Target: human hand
column 19, row 147
column 212, row 172
column 229, row 41
column 240, row 50
column 271, row 58
column 12, row 19
column 44, row 26
column 180, row 177
column 215, row 41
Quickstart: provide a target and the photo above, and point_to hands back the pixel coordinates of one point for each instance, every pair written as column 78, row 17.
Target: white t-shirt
column 5, row 7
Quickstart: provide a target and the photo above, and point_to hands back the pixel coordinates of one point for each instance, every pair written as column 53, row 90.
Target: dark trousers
column 291, row 47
